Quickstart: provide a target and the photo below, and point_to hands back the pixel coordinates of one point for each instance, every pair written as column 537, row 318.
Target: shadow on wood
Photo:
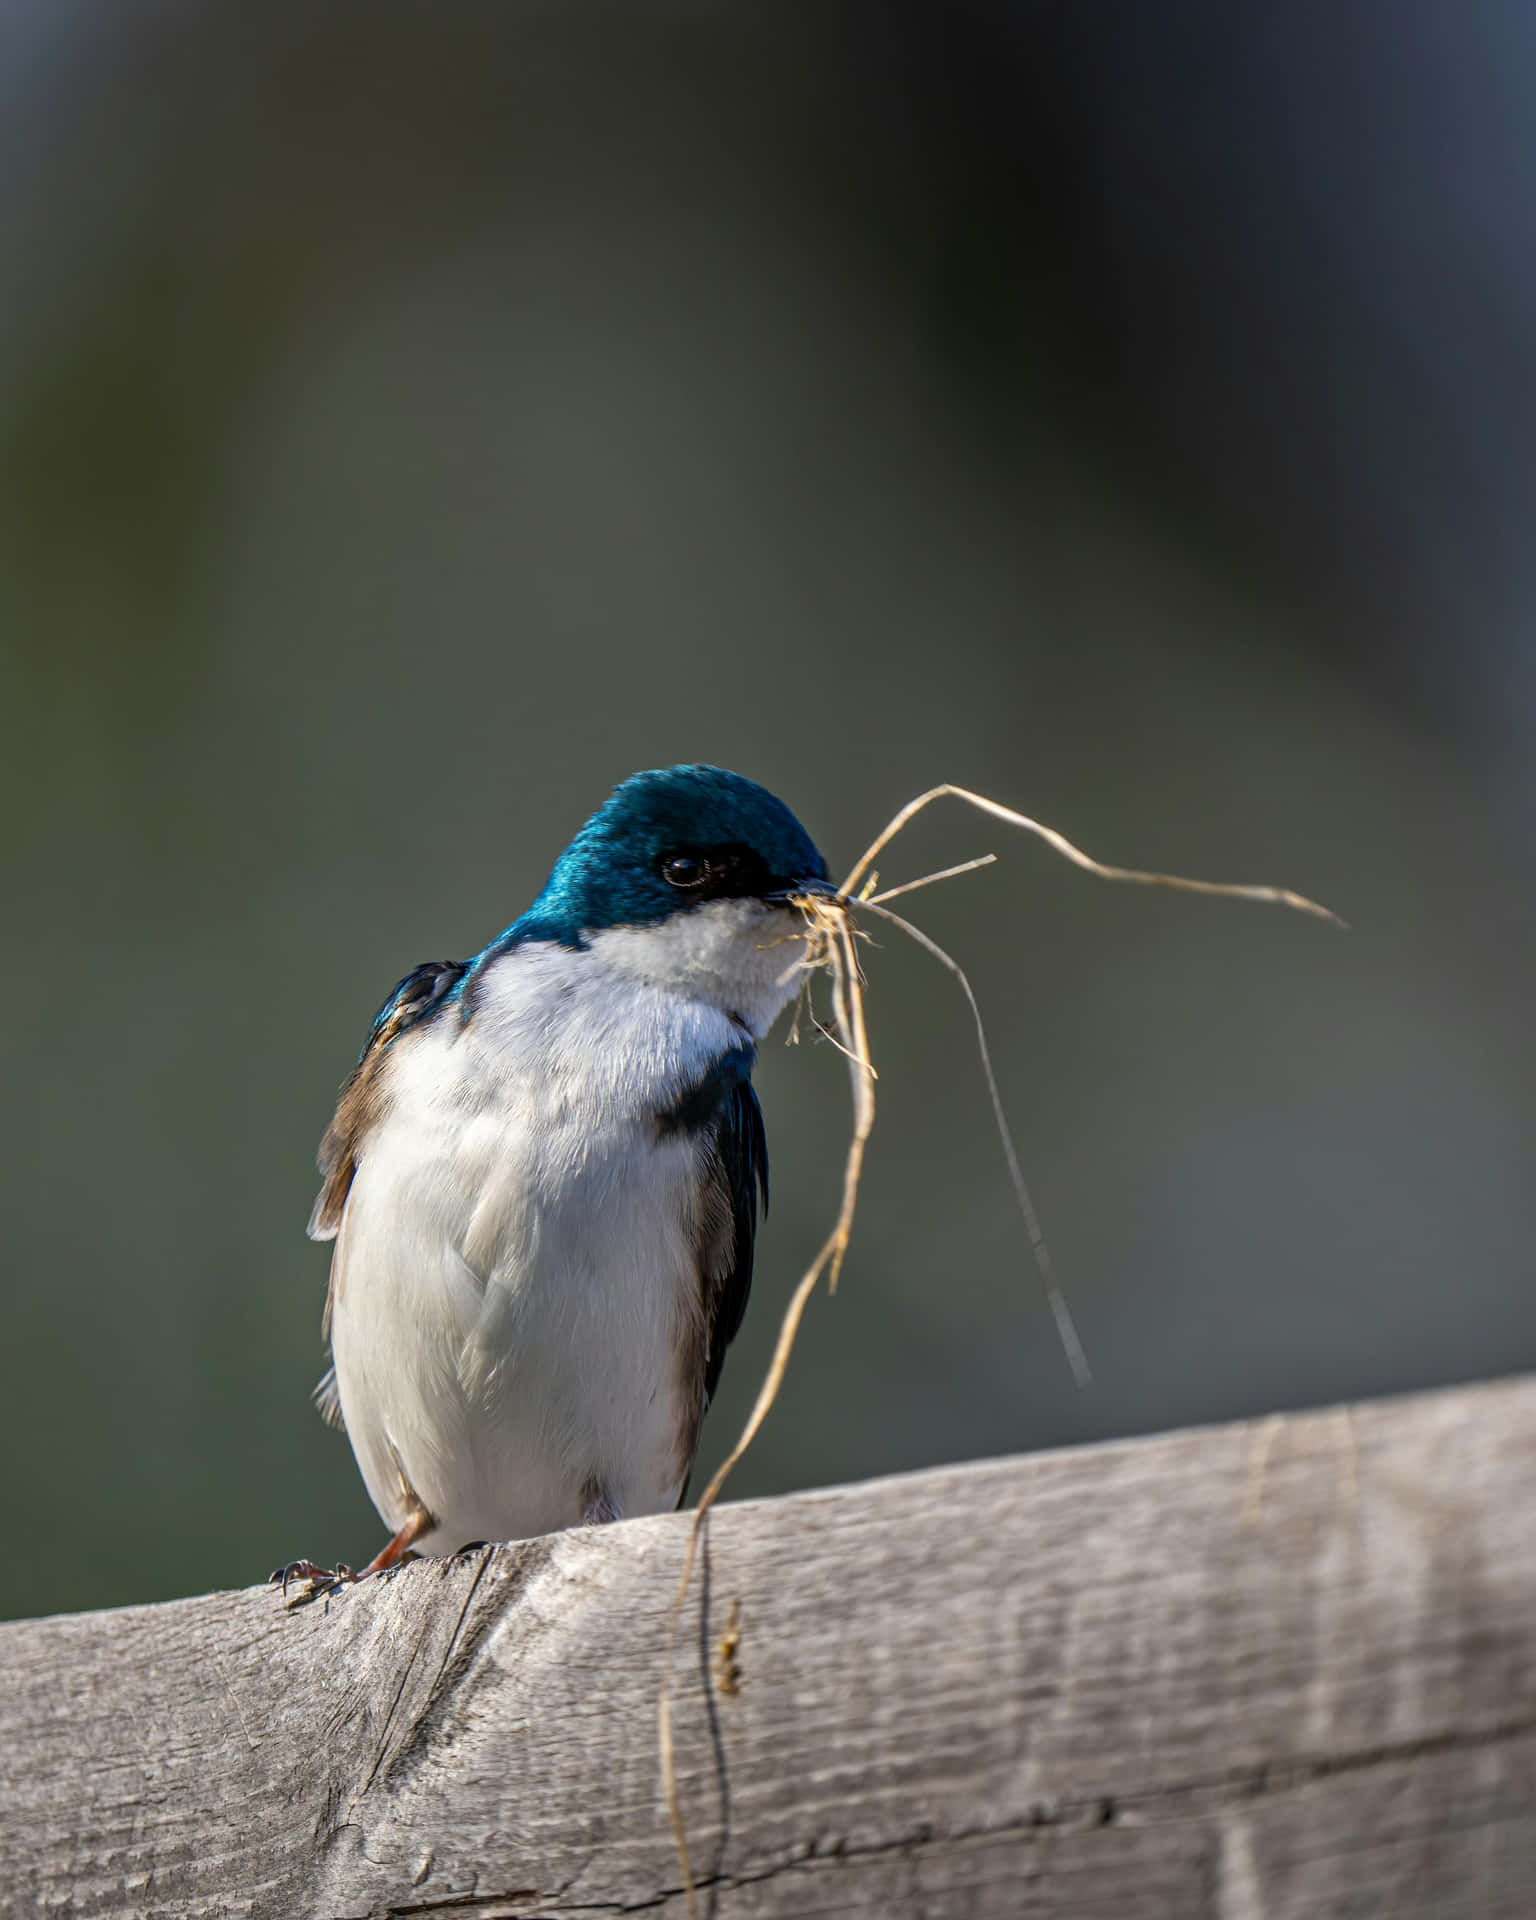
column 1282, row 1669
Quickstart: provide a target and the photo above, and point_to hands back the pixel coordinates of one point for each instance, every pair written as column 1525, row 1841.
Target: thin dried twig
column 1057, row 1300
column 927, row 880
column 1276, row 896
column 831, row 938
column 830, row 932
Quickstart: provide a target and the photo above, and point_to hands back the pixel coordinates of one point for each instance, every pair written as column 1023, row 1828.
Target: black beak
column 796, row 888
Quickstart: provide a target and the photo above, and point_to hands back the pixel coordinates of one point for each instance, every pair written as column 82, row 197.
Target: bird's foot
column 319, row 1582
column 314, row 1582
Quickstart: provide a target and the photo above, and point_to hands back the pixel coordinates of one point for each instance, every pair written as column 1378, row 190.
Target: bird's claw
column 317, row 1581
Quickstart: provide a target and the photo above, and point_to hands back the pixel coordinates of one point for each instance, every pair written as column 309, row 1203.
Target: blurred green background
column 414, row 419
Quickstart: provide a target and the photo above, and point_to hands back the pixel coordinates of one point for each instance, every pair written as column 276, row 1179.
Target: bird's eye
column 685, row 870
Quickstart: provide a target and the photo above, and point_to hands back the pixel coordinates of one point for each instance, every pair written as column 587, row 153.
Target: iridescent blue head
column 668, row 841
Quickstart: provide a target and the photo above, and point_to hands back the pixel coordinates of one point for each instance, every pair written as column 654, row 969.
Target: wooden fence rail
column 1273, row 1670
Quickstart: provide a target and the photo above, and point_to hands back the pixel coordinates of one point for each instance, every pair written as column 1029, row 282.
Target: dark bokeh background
column 414, row 419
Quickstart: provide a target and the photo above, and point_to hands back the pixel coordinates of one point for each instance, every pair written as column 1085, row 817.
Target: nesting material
column 832, row 930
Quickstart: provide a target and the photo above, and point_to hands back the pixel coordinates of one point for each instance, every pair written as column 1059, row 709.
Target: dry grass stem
column 830, row 936
column 1275, row 896
column 830, row 932
column 927, row 880
column 1055, row 1298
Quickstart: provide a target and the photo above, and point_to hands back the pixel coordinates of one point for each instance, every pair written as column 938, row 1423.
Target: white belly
column 516, row 1265
column 512, row 1394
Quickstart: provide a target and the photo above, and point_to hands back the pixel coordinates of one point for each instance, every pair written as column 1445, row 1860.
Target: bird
column 543, row 1177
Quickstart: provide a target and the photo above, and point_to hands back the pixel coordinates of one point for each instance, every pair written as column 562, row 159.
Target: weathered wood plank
column 1285, row 1669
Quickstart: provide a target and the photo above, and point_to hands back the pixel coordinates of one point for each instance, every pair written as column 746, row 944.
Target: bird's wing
column 737, row 1167
column 416, row 995
column 721, row 1113
column 422, row 989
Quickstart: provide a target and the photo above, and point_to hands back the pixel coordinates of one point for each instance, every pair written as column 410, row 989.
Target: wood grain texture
column 1254, row 1672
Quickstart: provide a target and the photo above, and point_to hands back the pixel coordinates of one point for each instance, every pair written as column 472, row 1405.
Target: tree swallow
column 542, row 1179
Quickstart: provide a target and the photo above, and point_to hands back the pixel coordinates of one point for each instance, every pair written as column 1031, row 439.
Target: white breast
column 516, row 1263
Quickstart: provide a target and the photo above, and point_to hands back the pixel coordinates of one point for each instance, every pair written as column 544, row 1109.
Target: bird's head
column 685, row 872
